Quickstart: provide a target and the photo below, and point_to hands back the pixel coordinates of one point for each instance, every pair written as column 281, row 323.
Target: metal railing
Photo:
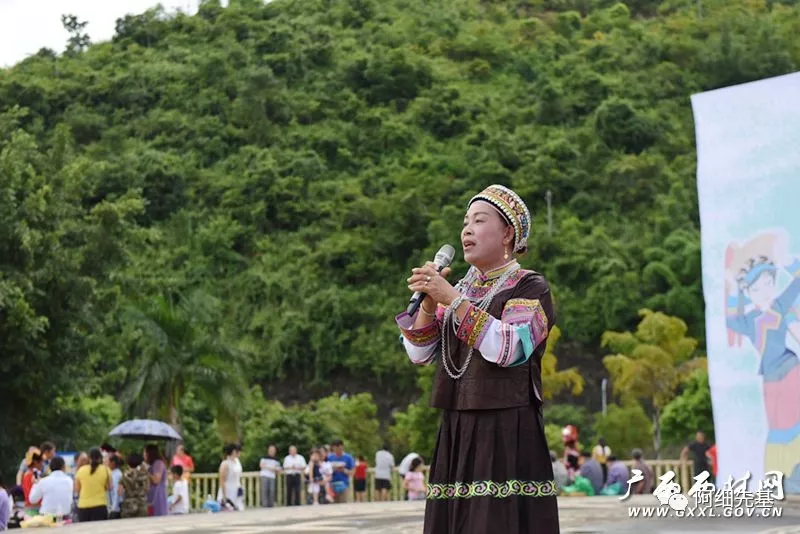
column 202, row 485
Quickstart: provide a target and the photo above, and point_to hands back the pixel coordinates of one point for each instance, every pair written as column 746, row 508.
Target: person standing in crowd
column 600, row 454
column 270, row 466
column 644, row 486
column 231, row 493
column 54, row 492
column 360, row 479
column 114, row 498
column 699, row 448
column 135, row 487
column 711, row 454
column 314, row 477
column 343, row 465
column 384, row 465
column 92, row 482
column 180, row 492
column 183, row 459
column 293, row 465
column 32, row 475
column 157, row 469
column 48, row 449
column 23, row 466
column 487, row 336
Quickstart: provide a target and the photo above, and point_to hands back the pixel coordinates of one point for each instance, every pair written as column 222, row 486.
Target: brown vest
column 485, row 385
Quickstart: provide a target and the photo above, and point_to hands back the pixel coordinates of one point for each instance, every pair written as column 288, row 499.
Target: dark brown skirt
column 491, row 472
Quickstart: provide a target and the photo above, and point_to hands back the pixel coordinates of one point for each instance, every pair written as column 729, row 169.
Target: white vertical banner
column 748, row 180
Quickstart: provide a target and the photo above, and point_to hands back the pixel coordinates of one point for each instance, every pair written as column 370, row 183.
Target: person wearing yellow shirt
column 92, row 484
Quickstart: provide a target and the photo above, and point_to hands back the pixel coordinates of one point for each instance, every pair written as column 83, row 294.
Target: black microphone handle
column 418, row 297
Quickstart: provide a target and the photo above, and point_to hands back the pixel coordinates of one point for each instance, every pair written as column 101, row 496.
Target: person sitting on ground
column 644, row 486
column 590, row 469
column 560, row 474
column 54, row 492
column 414, row 481
column 618, row 475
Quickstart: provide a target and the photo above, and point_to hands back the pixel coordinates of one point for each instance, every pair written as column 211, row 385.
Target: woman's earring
column 505, row 256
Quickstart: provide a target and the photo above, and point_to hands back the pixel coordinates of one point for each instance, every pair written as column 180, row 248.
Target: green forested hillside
column 236, row 197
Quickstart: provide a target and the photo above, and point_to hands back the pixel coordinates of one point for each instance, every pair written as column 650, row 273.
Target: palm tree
column 176, row 344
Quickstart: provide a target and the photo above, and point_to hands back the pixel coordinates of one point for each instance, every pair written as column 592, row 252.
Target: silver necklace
column 481, row 304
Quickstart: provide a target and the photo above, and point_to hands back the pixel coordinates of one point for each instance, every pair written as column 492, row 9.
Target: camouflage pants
column 134, row 509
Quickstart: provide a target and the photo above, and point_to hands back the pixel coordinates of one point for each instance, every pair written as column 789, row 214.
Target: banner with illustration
column 748, row 180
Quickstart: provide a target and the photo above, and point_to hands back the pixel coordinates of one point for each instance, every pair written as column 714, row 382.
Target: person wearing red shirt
column 360, row 479
column 35, row 463
column 712, row 457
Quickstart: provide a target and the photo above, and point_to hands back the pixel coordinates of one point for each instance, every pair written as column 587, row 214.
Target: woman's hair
column 151, row 454
column 416, row 462
column 228, row 449
column 95, row 458
column 134, row 460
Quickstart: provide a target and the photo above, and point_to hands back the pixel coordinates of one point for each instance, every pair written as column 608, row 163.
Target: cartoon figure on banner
column 769, row 316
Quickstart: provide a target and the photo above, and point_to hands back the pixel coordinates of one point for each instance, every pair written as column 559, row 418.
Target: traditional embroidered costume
column 491, row 469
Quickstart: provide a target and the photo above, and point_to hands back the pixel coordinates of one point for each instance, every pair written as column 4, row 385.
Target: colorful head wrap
column 513, row 210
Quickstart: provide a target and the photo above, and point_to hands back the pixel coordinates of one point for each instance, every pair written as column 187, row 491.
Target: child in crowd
column 315, row 478
column 414, row 481
column 180, row 492
column 360, row 479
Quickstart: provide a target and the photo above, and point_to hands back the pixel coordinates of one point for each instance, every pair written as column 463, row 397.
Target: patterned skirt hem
column 489, row 488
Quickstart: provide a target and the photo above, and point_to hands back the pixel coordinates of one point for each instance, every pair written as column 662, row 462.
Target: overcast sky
column 28, row 25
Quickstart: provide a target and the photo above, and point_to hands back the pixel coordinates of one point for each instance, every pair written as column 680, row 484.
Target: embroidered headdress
column 513, row 210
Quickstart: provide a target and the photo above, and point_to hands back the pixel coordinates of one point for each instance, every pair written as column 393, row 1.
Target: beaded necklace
column 450, row 315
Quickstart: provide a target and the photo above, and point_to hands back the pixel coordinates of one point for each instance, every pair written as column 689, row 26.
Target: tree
column 78, row 41
column 415, row 430
column 176, row 343
column 553, row 381
column 625, row 428
column 689, row 412
column 651, row 363
column 353, row 419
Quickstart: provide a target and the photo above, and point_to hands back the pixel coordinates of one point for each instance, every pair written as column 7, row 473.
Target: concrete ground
column 579, row 515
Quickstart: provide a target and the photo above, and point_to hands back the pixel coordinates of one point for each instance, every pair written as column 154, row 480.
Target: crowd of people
column 101, row 485
column 325, row 477
column 600, row 472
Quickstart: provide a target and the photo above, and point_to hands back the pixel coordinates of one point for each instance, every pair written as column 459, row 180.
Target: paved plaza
column 579, row 515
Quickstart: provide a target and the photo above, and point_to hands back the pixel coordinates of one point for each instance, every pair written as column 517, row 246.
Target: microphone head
column 445, row 256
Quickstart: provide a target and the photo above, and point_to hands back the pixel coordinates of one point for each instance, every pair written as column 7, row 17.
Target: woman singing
column 491, row 469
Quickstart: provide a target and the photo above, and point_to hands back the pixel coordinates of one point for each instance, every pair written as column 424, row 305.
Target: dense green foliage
column 291, row 161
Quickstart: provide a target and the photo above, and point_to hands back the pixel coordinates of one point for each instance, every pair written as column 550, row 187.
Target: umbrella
column 145, row 429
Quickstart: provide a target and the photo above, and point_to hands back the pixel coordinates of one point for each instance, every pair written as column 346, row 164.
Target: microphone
column 442, row 259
